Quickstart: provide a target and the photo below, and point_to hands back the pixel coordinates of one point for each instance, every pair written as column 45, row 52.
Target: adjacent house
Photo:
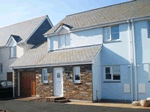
column 100, row 54
column 17, row 39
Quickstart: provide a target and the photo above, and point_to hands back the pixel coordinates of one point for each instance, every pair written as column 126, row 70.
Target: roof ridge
column 23, row 21
column 101, row 7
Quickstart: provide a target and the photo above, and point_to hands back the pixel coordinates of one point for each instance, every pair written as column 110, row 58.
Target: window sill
column 112, row 81
column 112, row 41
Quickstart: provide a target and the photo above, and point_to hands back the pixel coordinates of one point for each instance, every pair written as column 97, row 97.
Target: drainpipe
column 135, row 64
column 13, row 84
column 131, row 59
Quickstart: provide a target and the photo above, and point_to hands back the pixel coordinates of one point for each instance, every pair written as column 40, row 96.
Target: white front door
column 58, row 81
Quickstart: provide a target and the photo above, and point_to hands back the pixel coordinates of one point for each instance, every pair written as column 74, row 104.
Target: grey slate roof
column 23, row 29
column 113, row 13
column 38, row 55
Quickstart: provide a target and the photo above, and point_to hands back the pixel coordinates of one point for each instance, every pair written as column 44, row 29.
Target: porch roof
column 38, row 56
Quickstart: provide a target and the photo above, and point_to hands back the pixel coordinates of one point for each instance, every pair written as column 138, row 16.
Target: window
column 112, row 73
column 76, row 74
column 111, row 33
column 64, row 41
column 13, row 52
column 148, row 29
column 44, row 75
column 1, row 68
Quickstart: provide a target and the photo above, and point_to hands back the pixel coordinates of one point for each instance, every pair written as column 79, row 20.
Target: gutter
column 50, row 65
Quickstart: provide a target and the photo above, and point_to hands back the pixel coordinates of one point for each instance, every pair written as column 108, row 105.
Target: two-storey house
column 16, row 39
column 100, row 54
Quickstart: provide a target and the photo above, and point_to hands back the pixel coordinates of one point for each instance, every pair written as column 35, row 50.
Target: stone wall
column 44, row 90
column 81, row 91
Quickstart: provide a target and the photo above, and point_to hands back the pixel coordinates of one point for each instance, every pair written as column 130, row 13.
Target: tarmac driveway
column 22, row 106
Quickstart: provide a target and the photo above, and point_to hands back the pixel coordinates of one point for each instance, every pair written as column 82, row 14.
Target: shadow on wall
column 109, row 57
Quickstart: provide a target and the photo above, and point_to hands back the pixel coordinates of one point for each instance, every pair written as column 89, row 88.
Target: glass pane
column 77, row 77
column 149, row 29
column 108, row 76
column 115, row 32
column 62, row 41
column 67, row 40
column 116, row 69
column 9, row 83
column 58, row 75
column 107, row 70
column 106, row 33
column 116, row 77
column 3, row 84
column 1, row 68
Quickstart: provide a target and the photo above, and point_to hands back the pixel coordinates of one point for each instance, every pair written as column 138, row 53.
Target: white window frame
column 44, row 72
column 74, row 73
column 59, row 41
column 12, row 55
column 111, row 72
column 110, row 40
column 148, row 29
column 1, row 68
column 149, row 72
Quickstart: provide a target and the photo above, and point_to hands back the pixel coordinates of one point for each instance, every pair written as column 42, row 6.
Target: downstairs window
column 112, row 73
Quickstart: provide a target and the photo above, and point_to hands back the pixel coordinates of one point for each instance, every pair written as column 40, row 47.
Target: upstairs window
column 64, row 41
column 112, row 73
column 148, row 29
column 111, row 33
column 76, row 74
column 13, row 52
column 1, row 68
column 44, row 75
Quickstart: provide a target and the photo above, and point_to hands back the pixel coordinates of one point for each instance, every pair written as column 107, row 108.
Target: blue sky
column 13, row 11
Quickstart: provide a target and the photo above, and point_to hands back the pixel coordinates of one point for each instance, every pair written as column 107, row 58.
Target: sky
column 14, row 11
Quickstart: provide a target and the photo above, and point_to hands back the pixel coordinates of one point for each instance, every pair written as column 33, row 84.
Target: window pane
column 13, row 51
column 149, row 29
column 62, row 41
column 115, row 32
column 58, row 75
column 106, row 34
column 116, row 77
column 1, row 68
column 116, row 69
column 77, row 77
column 67, row 40
column 107, row 70
column 108, row 76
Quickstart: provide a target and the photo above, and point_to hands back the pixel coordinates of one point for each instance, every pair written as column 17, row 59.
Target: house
column 17, row 39
column 100, row 54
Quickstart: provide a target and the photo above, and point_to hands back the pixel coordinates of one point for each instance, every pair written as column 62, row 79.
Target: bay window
column 111, row 33
column 112, row 73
